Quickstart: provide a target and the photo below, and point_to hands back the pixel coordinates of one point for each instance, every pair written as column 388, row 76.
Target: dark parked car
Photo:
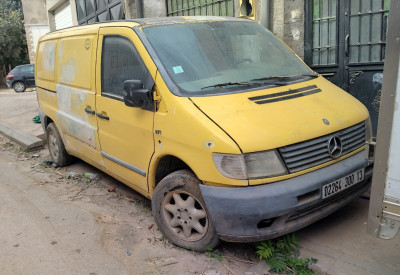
column 21, row 77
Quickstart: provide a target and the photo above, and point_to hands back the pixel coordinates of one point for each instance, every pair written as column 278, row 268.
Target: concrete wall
column 287, row 23
column 36, row 24
column 151, row 8
column 154, row 8
column 294, row 26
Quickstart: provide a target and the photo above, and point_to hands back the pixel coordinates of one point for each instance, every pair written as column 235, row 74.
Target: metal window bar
column 370, row 31
column 176, row 8
column 359, row 30
column 318, row 21
column 85, row 18
column 382, row 43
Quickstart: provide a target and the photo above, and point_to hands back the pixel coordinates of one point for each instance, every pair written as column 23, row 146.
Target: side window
column 26, row 69
column 120, row 61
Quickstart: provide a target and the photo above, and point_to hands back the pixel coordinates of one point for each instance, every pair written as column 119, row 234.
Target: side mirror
column 136, row 96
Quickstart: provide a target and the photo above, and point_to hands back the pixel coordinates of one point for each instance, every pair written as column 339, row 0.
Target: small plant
column 8, row 145
column 281, row 254
column 214, row 253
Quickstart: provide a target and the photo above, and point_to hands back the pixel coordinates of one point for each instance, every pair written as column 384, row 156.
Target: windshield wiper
column 282, row 80
column 229, row 84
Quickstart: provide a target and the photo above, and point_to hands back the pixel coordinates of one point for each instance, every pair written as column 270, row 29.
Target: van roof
column 182, row 19
column 139, row 22
column 161, row 21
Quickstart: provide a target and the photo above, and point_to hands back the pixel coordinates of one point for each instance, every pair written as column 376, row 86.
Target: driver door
column 125, row 133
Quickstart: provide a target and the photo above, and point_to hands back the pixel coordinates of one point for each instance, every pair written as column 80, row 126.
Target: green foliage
column 211, row 253
column 281, row 254
column 13, row 47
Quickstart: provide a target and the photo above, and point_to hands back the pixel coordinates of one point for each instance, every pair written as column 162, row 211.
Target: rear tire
column 19, row 87
column 180, row 213
column 56, row 147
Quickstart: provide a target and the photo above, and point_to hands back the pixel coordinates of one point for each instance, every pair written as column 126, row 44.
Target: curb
column 26, row 141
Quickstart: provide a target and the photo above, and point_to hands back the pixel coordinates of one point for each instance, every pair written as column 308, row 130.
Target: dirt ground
column 55, row 221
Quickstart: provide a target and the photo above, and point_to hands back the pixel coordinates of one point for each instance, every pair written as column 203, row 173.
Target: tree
column 13, row 46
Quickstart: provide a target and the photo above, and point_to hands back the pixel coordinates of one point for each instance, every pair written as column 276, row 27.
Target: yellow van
column 228, row 132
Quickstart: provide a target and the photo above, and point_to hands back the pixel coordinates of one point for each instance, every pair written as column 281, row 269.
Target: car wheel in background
column 19, row 87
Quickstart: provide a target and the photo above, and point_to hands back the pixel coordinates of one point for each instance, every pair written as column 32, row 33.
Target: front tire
column 56, row 147
column 180, row 213
column 19, row 87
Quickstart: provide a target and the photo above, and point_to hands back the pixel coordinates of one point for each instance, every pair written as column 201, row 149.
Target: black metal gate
column 200, row 7
column 345, row 42
column 90, row 11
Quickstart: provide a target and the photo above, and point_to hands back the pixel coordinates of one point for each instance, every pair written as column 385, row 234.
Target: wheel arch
column 47, row 120
column 164, row 166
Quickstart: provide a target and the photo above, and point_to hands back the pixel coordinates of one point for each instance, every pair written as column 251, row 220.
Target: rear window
column 13, row 71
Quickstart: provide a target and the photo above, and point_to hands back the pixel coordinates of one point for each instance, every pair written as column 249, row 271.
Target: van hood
column 275, row 117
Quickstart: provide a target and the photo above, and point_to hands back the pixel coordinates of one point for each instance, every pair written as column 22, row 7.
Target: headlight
column 250, row 166
column 368, row 129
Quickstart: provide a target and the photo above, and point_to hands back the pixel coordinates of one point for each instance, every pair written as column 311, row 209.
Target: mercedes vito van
column 215, row 120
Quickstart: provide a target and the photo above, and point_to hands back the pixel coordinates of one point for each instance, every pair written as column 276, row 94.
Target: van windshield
column 224, row 57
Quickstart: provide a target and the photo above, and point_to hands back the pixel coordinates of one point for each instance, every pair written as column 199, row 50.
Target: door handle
column 89, row 111
column 100, row 115
column 346, row 45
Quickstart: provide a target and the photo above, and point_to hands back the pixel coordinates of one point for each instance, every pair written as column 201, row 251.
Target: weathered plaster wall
column 287, row 23
column 36, row 24
column 129, row 9
column 154, row 8
column 151, row 8
column 294, row 26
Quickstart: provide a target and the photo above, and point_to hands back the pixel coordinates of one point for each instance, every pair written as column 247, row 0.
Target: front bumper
column 256, row 213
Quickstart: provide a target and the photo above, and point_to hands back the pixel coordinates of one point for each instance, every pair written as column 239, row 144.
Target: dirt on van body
column 63, row 221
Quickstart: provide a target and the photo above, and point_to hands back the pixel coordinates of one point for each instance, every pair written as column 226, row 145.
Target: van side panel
column 66, row 66
column 76, row 95
column 46, row 64
column 75, row 61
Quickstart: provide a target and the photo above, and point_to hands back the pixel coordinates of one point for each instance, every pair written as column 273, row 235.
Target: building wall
column 284, row 18
column 36, row 24
column 151, row 8
column 294, row 18
column 287, row 23
column 51, row 7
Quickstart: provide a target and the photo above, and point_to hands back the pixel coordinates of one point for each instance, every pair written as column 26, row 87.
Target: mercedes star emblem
column 335, row 147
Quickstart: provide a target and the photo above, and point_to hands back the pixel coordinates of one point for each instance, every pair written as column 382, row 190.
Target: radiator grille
column 310, row 153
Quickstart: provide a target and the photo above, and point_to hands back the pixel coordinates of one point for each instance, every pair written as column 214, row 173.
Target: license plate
column 342, row 183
